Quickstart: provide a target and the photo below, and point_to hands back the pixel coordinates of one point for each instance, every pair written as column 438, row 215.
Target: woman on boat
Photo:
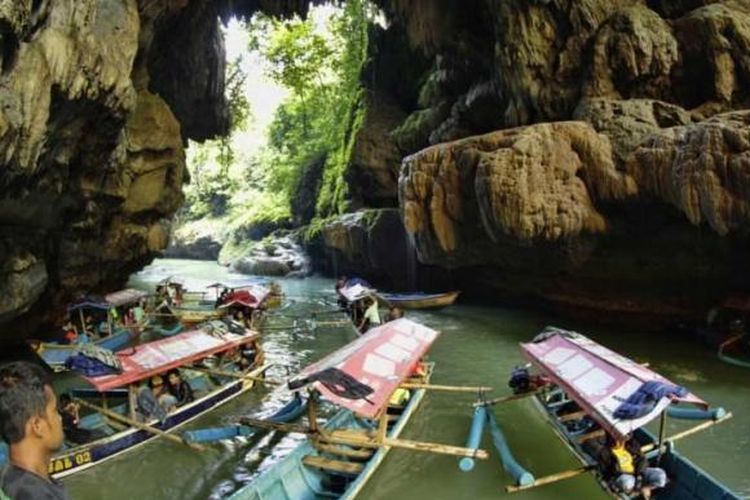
column 371, row 316
column 626, row 469
column 154, row 401
column 179, row 388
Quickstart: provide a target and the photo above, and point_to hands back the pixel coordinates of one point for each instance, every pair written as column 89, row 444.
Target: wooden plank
column 590, row 435
column 344, row 451
column 571, row 416
column 332, row 465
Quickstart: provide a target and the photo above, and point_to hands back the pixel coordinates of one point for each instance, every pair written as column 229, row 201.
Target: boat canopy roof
column 596, row 378
column 123, row 297
column 737, row 302
column 356, row 292
column 249, row 296
column 153, row 358
column 114, row 299
column 381, row 359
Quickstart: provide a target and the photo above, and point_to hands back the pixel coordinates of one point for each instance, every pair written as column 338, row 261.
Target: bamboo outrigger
column 337, row 458
column 581, row 387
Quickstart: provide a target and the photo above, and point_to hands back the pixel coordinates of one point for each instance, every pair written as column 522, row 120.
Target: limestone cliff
column 639, row 206
column 96, row 100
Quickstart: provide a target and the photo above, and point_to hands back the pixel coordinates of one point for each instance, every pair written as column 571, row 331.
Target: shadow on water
column 478, row 346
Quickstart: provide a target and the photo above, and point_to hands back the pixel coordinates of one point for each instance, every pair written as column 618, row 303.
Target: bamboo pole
column 505, row 399
column 552, row 478
column 689, row 432
column 151, row 430
column 448, row 388
column 407, row 444
column 222, row 373
column 366, row 440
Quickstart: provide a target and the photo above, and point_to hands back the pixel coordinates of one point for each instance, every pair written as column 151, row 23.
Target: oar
column 151, row 430
column 552, row 478
column 221, row 373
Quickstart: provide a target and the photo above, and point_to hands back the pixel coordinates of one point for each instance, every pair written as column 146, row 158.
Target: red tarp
column 251, row 296
column 382, row 358
column 598, row 379
column 162, row 355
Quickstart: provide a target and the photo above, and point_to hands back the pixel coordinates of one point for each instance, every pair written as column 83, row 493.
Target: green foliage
column 326, row 107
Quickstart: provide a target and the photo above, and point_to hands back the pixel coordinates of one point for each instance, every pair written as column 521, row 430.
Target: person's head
column 156, row 383
column 28, row 407
column 174, row 377
column 396, row 312
column 64, row 401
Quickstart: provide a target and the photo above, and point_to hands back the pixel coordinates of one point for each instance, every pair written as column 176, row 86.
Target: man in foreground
column 32, row 427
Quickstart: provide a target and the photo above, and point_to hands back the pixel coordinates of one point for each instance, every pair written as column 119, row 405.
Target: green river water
column 478, row 346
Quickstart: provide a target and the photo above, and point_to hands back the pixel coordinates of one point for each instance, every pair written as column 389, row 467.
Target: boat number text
column 65, row 463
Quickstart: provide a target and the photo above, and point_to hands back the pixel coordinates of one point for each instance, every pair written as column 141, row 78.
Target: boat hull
column 292, row 479
column 420, row 301
column 686, row 480
column 80, row 458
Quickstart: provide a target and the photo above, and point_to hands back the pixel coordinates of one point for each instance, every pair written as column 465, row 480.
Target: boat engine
column 520, row 379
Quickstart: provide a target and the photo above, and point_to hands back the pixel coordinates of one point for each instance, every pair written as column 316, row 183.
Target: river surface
column 478, row 346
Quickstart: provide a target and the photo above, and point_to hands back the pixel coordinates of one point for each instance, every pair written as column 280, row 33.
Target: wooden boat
column 736, row 350
column 113, row 336
column 247, row 298
column 420, row 300
column 580, row 386
column 116, row 419
column 338, row 458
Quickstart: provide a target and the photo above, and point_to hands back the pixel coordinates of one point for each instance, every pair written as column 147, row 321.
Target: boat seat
column 361, row 453
column 332, row 465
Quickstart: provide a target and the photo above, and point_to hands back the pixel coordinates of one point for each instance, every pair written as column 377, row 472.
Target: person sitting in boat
column 394, row 313
column 179, row 388
column 247, row 355
column 88, row 326
column 627, row 469
column 154, row 401
column 371, row 317
column 70, row 412
column 69, row 333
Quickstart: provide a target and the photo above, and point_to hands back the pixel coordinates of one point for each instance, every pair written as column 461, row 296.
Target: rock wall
column 96, row 100
column 640, row 205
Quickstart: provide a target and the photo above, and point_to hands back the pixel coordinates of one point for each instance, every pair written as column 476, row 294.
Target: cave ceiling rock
column 23, row 278
column 84, row 52
column 535, row 183
column 703, row 169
